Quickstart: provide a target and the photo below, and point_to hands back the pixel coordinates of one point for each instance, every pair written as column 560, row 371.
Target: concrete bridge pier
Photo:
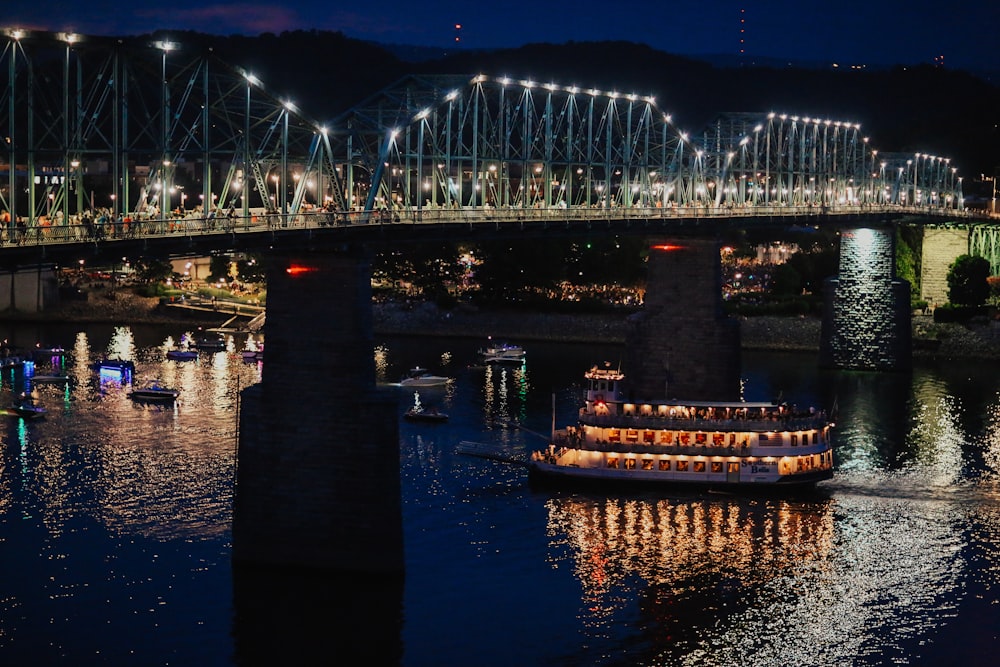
column 682, row 344
column 867, row 318
column 318, row 482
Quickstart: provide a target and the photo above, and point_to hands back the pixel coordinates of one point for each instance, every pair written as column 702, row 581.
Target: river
column 115, row 527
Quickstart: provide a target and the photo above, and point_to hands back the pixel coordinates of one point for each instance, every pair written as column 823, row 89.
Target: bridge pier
column 682, row 344
column 866, row 315
column 318, row 481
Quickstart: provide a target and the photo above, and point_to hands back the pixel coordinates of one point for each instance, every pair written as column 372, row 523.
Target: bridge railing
column 87, row 232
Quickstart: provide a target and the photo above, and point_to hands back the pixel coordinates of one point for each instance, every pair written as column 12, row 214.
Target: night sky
column 849, row 32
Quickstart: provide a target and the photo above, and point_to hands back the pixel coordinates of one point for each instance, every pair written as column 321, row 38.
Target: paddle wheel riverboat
column 676, row 442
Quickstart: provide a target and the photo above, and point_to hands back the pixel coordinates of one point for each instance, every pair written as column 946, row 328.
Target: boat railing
column 798, row 423
column 563, row 439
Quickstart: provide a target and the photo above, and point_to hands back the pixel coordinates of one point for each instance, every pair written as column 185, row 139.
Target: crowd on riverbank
column 790, row 333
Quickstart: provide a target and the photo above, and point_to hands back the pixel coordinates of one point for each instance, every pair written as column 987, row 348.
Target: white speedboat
column 421, row 377
column 675, row 442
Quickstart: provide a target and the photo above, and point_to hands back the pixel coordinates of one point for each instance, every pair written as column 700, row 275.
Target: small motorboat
column 502, row 353
column 431, row 415
column 53, row 378
column 25, row 408
column 253, row 351
column 419, row 413
column 185, row 351
column 154, row 393
column 211, row 343
column 421, row 377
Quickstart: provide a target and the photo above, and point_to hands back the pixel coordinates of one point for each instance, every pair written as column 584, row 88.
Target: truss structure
column 137, row 126
column 497, row 142
column 142, row 127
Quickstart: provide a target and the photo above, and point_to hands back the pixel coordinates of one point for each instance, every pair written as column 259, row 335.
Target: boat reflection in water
column 710, row 576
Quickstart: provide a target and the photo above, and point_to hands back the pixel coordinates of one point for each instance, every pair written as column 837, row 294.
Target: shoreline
column 766, row 332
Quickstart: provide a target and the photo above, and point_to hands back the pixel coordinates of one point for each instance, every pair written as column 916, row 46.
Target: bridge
column 119, row 146
column 149, row 138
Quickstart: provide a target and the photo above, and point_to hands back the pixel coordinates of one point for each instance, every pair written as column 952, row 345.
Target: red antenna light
column 666, row 247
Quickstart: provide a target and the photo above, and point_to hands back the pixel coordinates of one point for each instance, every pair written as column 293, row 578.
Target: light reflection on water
column 116, row 517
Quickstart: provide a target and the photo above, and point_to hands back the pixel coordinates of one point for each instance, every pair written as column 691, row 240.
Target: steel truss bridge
column 129, row 136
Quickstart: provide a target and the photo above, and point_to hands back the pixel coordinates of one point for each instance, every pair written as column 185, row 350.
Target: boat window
column 795, row 439
column 682, row 466
column 612, row 461
column 734, row 466
column 629, row 464
column 647, row 464
column 699, row 466
column 716, row 466
column 665, row 464
column 701, row 438
column 615, row 435
column 648, row 436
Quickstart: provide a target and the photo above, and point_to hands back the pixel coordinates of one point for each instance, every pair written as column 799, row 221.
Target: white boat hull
column 748, row 476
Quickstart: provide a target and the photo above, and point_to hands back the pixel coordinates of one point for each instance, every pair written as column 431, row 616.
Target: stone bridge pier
column 867, row 317
column 682, row 344
column 318, row 482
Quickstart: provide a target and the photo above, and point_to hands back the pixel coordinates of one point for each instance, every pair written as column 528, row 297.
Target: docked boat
column 421, row 414
column 502, row 353
column 154, row 393
column 675, row 442
column 421, row 377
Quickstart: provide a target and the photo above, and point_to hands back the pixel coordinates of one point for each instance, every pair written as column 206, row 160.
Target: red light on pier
column 295, row 270
column 666, row 247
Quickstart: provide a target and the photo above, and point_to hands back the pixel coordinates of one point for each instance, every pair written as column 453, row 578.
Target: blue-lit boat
column 120, row 366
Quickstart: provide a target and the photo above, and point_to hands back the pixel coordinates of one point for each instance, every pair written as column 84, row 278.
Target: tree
column 967, row 281
column 149, row 270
